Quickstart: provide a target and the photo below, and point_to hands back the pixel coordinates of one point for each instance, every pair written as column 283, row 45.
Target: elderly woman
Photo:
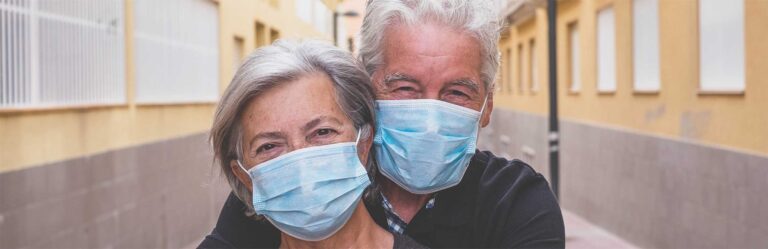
column 292, row 134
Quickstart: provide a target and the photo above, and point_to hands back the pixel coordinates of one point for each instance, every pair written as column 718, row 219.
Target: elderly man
column 433, row 65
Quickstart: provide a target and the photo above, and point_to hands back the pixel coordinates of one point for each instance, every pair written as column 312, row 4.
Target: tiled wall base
column 654, row 192
column 160, row 195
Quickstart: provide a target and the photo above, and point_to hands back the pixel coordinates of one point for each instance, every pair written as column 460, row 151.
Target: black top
column 498, row 203
column 405, row 242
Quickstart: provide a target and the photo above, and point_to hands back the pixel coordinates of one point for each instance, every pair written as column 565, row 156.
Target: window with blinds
column 722, row 46
column 574, row 58
column 606, row 51
column 534, row 71
column 645, row 45
column 176, row 51
column 57, row 53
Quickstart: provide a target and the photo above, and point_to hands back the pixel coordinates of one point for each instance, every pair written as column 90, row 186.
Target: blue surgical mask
column 425, row 145
column 310, row 193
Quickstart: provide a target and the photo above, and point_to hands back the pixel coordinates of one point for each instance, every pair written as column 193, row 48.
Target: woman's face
column 292, row 116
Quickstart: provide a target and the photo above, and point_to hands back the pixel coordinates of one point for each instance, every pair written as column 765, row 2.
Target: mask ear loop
column 241, row 167
column 482, row 109
column 357, row 140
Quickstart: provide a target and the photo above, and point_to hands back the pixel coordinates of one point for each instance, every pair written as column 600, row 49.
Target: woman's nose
column 297, row 145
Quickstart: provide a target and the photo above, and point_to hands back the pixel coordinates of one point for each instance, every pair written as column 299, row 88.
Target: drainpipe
column 554, row 135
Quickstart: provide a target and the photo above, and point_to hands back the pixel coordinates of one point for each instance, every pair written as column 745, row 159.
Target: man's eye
column 265, row 147
column 457, row 93
column 405, row 88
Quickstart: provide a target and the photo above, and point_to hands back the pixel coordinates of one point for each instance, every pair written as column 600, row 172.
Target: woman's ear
column 364, row 146
column 241, row 175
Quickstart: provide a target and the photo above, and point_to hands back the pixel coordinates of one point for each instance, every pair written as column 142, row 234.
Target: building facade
column 104, row 112
column 662, row 115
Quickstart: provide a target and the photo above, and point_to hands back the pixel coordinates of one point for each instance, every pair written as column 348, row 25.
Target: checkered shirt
column 394, row 223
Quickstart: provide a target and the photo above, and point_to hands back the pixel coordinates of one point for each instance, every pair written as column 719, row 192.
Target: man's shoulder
column 491, row 181
column 512, row 192
column 498, row 172
column 510, row 181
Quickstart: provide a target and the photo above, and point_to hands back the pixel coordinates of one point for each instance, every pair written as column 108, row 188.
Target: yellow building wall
column 34, row 137
column 679, row 109
column 238, row 18
column 509, row 95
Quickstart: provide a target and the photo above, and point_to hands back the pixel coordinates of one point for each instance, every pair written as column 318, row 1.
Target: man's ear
column 241, row 175
column 486, row 118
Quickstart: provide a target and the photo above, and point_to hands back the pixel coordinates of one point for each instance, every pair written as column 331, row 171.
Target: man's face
column 429, row 61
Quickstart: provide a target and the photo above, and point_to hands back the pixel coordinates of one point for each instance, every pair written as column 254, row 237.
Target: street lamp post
column 336, row 15
column 554, row 133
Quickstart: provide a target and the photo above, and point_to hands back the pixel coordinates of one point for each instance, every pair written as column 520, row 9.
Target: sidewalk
column 579, row 233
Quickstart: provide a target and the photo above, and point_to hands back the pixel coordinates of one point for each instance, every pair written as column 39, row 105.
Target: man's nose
column 431, row 94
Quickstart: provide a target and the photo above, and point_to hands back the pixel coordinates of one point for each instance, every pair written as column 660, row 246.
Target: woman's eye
column 265, row 147
column 324, row 132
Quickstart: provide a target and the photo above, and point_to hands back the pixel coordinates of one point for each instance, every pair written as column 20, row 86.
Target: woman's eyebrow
column 265, row 135
column 315, row 122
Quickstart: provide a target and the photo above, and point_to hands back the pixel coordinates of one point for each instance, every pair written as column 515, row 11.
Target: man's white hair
column 478, row 18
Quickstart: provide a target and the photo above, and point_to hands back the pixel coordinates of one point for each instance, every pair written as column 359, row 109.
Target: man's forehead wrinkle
column 427, row 54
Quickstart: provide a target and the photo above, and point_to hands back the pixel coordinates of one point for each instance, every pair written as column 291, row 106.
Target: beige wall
column 238, row 19
column 34, row 137
column 509, row 94
column 678, row 110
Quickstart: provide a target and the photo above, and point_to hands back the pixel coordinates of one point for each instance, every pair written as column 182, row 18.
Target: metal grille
column 176, row 51
column 57, row 53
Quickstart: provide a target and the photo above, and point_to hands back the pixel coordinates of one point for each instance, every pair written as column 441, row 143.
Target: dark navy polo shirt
column 499, row 203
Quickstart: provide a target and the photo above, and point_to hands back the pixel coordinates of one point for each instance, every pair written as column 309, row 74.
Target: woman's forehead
column 291, row 105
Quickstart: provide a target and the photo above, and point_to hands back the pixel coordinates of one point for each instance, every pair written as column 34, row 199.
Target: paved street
column 581, row 234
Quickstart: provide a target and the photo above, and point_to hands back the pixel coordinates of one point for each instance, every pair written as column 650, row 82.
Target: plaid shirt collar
column 394, row 223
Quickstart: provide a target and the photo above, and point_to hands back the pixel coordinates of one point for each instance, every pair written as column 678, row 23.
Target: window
column 60, row 55
column 304, row 10
column 606, row 51
column 574, row 62
column 179, row 64
column 645, row 45
column 721, row 45
column 509, row 70
column 520, row 68
column 534, row 72
column 261, row 35
column 273, row 35
column 504, row 73
column 238, row 53
column 322, row 17
column 315, row 12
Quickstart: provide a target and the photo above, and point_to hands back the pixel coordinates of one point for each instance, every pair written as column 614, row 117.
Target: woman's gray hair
column 280, row 63
column 478, row 18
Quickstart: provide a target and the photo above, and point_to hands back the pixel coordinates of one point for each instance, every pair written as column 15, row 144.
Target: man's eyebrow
column 388, row 79
column 314, row 122
column 471, row 84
